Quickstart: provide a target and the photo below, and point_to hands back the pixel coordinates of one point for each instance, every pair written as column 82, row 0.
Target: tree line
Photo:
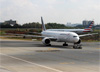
column 35, row 25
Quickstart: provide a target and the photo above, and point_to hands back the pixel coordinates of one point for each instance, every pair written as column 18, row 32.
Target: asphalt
column 33, row 56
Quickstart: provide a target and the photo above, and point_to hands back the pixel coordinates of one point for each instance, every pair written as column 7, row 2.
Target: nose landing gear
column 77, row 46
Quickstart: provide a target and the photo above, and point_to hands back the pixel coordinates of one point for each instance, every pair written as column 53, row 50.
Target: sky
column 59, row 11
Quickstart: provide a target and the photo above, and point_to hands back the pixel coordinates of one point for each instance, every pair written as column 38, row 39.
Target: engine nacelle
column 46, row 41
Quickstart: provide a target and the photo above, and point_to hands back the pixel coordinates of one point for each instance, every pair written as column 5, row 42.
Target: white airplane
column 78, row 31
column 66, row 37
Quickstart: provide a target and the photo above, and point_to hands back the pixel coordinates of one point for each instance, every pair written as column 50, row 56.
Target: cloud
column 74, row 1
column 61, row 11
column 50, row 1
column 17, row 9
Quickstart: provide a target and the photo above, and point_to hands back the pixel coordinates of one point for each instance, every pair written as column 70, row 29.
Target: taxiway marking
column 32, row 63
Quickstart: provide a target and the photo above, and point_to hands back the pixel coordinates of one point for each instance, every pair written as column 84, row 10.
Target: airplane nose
column 76, row 39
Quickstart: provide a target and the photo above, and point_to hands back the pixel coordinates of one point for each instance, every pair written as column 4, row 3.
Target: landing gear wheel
column 65, row 44
column 77, row 46
column 24, row 37
column 74, row 47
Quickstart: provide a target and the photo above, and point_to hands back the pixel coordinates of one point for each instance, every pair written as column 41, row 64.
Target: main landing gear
column 65, row 44
column 77, row 46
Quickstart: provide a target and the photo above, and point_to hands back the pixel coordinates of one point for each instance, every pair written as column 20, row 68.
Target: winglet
column 43, row 26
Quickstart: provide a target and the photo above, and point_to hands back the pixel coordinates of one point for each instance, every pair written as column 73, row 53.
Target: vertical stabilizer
column 43, row 26
column 89, row 27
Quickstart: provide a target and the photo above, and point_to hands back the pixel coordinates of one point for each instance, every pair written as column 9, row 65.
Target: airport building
column 11, row 22
column 72, row 25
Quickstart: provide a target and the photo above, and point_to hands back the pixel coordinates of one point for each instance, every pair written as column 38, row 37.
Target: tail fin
column 89, row 27
column 43, row 26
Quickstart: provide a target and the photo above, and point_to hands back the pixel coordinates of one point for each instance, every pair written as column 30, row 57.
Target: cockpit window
column 74, row 36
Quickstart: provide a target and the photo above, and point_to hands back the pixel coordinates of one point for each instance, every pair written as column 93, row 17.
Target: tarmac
column 33, row 56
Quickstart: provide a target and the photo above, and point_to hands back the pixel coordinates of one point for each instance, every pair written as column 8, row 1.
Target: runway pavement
column 33, row 56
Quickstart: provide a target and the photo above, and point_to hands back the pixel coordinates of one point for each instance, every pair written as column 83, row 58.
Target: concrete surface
column 32, row 56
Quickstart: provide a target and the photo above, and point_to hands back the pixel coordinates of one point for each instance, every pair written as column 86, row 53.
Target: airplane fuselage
column 62, row 36
column 78, row 31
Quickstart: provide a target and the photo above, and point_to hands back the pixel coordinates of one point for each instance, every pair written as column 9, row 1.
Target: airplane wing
column 34, row 36
column 34, row 33
column 26, row 35
column 87, row 34
column 11, row 36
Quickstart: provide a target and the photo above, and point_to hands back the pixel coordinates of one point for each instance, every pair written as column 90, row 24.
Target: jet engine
column 46, row 41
